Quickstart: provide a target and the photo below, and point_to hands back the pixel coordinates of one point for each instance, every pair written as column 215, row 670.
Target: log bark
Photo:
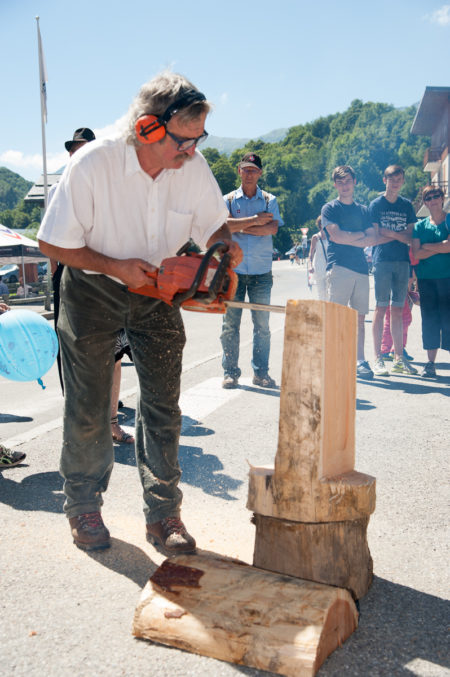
column 335, row 553
column 225, row 609
column 349, row 496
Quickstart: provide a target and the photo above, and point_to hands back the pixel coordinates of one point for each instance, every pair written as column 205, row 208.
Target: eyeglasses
column 249, row 170
column 186, row 144
column 428, row 198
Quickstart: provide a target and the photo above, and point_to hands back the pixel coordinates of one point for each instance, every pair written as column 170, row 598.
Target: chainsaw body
column 194, row 281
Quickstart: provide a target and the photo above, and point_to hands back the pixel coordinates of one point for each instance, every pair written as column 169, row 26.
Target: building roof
column 430, row 110
column 36, row 192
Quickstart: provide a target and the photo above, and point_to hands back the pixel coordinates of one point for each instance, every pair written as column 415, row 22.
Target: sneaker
column 387, row 356
column 429, row 370
column 230, row 382
column 363, row 370
column 379, row 368
column 406, row 356
column 89, row 531
column 170, row 536
column 8, row 458
column 401, row 367
column 264, row 381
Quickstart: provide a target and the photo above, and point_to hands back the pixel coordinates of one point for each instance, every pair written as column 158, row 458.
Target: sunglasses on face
column 186, row 144
column 435, row 196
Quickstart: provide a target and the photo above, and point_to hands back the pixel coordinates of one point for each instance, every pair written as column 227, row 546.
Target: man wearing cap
column 122, row 206
column 81, row 136
column 253, row 219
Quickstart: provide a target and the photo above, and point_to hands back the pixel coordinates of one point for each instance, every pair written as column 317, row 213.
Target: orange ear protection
column 152, row 128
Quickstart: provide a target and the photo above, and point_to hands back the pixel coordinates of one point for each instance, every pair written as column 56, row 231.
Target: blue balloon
column 28, row 346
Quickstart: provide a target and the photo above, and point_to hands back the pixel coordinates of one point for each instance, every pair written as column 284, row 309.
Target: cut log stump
column 225, row 609
column 335, row 553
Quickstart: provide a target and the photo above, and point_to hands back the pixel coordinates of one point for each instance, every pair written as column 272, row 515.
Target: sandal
column 120, row 436
column 9, row 458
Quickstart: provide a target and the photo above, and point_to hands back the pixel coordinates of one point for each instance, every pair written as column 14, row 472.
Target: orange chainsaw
column 198, row 282
column 194, row 281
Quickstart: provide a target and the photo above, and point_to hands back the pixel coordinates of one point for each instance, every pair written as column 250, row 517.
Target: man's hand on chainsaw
column 133, row 272
column 234, row 251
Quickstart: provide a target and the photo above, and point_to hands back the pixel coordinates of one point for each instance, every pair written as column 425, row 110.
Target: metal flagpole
column 43, row 92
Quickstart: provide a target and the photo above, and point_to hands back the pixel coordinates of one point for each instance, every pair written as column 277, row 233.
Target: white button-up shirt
column 107, row 202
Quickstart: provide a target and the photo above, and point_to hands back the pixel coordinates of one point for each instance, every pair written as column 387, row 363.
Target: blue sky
column 265, row 65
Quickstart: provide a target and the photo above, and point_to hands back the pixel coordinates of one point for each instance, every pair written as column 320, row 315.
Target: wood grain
column 225, row 609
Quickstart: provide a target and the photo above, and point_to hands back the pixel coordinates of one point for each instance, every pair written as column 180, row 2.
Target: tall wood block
column 225, row 609
column 313, row 479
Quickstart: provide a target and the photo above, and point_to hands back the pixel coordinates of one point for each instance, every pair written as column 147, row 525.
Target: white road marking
column 204, row 398
column 201, row 400
column 35, row 432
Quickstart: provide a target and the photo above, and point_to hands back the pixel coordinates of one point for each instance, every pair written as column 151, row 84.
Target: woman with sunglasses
column 431, row 245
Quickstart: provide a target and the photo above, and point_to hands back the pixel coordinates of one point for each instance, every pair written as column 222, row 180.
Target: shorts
column 348, row 288
column 391, row 283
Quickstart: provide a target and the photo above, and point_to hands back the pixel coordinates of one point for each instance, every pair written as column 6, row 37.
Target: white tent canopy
column 19, row 249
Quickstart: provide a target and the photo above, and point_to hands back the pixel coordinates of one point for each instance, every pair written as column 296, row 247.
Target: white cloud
column 16, row 157
column 441, row 16
column 20, row 162
column 115, row 129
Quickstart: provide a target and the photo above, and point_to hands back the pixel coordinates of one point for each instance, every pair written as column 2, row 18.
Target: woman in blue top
column 431, row 245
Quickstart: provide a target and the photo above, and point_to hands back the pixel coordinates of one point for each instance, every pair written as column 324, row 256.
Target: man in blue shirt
column 254, row 219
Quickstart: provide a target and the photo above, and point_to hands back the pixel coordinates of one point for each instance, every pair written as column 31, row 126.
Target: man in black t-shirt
column 393, row 218
column 348, row 229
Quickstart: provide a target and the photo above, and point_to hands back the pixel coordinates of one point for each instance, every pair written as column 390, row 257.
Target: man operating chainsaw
column 121, row 207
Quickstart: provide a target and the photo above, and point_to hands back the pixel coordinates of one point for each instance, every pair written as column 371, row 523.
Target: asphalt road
column 66, row 612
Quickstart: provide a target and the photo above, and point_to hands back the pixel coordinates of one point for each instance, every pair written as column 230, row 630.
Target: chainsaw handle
column 201, row 272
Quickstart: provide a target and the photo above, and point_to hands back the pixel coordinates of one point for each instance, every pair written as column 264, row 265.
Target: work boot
column 170, row 536
column 230, row 382
column 265, row 381
column 89, row 531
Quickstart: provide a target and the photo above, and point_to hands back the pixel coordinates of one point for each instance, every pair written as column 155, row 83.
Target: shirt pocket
column 178, row 229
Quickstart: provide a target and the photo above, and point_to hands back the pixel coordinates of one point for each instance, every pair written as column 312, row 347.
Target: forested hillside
column 12, row 188
column 368, row 136
column 14, row 212
column 297, row 169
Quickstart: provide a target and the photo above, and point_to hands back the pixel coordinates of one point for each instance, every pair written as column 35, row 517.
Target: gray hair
column 156, row 96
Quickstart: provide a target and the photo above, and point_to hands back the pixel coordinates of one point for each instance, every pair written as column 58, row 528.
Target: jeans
column 258, row 288
column 93, row 310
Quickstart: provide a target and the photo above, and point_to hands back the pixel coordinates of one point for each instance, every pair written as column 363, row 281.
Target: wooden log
column 225, row 609
column 335, row 553
column 349, row 496
column 313, row 479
